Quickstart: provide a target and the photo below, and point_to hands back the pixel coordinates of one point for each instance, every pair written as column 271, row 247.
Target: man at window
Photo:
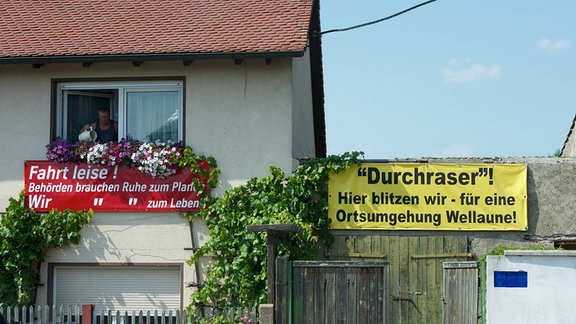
column 106, row 128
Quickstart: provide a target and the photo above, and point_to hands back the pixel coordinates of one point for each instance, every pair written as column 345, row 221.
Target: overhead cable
column 379, row 20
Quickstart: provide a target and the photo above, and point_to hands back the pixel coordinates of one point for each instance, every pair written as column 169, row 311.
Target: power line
column 379, row 20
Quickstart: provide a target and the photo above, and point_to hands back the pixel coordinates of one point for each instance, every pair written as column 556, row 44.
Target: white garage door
column 125, row 288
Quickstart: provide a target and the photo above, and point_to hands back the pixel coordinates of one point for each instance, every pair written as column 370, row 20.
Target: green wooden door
column 415, row 269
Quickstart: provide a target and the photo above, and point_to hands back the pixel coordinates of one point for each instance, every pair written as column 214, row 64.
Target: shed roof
column 569, row 147
column 80, row 28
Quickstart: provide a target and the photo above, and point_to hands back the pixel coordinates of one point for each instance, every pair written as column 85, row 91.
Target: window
column 145, row 110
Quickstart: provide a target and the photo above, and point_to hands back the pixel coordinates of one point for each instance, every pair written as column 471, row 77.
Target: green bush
column 25, row 237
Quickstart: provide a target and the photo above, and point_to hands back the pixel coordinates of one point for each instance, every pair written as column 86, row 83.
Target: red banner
column 81, row 186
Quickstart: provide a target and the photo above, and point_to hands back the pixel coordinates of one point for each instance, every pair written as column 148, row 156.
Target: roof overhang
column 145, row 57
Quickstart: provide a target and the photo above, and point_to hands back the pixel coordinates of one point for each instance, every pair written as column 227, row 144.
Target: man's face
column 104, row 117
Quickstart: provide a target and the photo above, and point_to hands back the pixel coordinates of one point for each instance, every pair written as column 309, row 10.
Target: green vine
column 237, row 275
column 25, row 237
column 197, row 165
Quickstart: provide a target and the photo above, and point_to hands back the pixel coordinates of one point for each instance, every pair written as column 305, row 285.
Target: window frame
column 121, row 86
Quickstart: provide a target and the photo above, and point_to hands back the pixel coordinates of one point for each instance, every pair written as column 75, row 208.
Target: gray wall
column 551, row 206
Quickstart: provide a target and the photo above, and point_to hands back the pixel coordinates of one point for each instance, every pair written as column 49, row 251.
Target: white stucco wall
column 239, row 114
column 548, row 297
column 242, row 115
column 24, row 125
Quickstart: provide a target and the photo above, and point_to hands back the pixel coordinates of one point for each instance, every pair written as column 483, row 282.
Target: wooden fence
column 332, row 292
column 415, row 269
column 73, row 314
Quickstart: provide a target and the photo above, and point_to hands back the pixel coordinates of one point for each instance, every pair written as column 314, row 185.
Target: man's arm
column 87, row 127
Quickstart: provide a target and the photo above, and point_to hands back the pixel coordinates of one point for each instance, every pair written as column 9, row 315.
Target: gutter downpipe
column 197, row 268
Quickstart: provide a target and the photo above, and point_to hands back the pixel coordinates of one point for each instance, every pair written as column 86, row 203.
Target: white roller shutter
column 123, row 288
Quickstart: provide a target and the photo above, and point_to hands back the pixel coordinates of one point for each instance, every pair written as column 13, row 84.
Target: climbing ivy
column 25, row 237
column 204, row 166
column 237, row 275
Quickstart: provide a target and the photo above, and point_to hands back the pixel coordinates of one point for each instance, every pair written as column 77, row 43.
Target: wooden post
column 283, row 290
column 274, row 232
column 272, row 242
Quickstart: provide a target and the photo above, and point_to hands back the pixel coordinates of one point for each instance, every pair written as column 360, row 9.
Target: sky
column 452, row 78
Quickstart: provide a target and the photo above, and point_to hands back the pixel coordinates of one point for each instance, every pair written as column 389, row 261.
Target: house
column 569, row 147
column 240, row 81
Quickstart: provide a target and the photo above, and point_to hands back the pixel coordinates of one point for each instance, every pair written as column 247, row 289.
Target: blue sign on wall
column 511, row 279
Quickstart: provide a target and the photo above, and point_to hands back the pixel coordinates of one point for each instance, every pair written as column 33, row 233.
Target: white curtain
column 152, row 115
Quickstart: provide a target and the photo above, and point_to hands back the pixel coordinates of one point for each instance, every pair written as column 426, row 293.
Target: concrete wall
column 242, row 115
column 547, row 296
column 551, row 206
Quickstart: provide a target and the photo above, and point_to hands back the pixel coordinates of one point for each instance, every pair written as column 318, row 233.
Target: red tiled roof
column 33, row 28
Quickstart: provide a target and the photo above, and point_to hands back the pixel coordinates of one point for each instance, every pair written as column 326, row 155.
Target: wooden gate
column 331, row 292
column 416, row 272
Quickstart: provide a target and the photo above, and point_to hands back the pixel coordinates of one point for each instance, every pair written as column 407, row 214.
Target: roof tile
column 30, row 28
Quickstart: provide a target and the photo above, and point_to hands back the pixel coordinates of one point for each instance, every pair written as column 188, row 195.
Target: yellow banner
column 414, row 196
